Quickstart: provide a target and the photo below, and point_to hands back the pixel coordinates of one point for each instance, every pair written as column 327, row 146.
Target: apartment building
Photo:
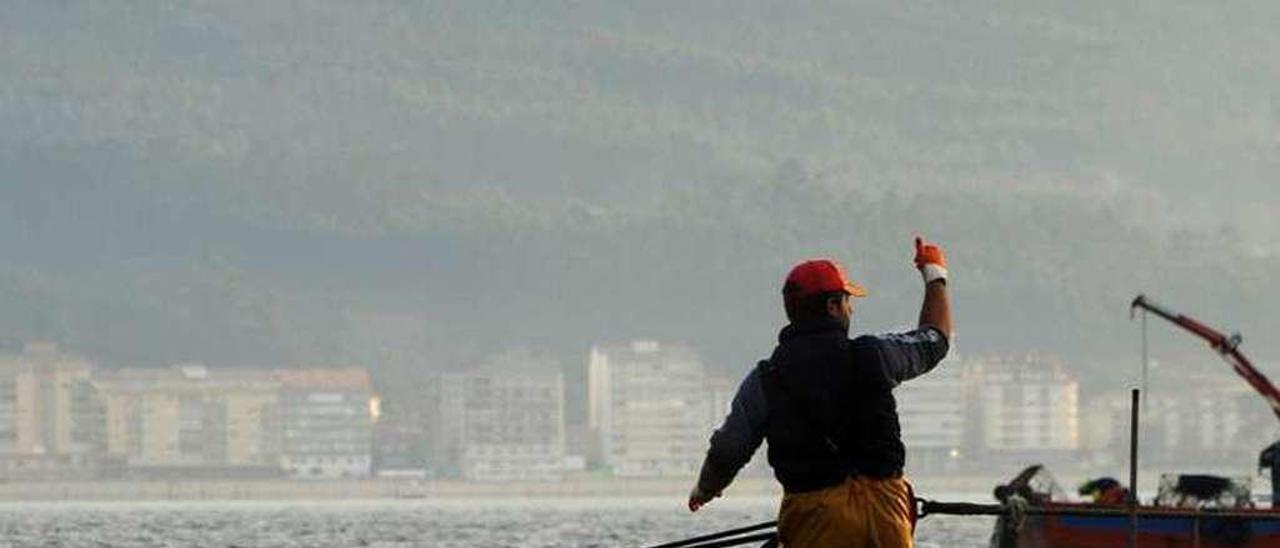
column 1027, row 409
column 326, row 422
column 934, row 411
column 187, row 417
column 652, row 408
column 1206, row 421
column 51, row 415
column 504, row 421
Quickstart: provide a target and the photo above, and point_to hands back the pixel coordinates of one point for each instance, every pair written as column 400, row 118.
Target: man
column 1105, row 491
column 825, row 403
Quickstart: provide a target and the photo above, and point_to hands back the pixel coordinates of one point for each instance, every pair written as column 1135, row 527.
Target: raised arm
column 908, row 355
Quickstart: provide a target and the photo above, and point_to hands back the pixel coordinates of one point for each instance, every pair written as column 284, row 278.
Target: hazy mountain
column 415, row 185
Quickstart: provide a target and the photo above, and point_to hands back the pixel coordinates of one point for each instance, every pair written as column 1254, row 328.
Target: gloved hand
column 697, row 498
column 931, row 261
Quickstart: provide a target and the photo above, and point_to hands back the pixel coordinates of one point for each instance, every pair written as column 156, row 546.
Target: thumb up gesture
column 930, row 260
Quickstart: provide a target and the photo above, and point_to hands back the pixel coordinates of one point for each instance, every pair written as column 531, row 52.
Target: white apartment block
column 505, row 421
column 652, row 408
column 934, row 414
column 1203, row 420
column 1027, row 406
column 326, row 423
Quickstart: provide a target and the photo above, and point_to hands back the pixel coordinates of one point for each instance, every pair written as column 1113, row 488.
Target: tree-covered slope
column 415, row 184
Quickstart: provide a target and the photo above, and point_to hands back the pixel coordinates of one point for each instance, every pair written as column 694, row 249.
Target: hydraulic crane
column 1228, row 348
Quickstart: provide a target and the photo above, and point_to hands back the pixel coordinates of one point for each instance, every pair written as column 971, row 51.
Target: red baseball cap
column 818, row 276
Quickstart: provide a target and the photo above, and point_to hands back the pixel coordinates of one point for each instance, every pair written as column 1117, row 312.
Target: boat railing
column 1014, row 509
column 930, row 507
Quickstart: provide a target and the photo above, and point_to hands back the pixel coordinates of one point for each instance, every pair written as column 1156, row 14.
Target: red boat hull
column 1154, row 530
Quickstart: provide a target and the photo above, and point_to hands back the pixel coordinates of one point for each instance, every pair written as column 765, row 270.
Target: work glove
column 697, row 498
column 930, row 260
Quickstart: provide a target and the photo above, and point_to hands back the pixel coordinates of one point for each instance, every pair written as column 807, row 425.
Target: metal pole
column 1133, row 468
column 1195, row 533
column 1146, row 360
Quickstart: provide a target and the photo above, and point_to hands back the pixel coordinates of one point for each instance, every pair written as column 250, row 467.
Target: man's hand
column 936, row 310
column 930, row 260
column 697, row 498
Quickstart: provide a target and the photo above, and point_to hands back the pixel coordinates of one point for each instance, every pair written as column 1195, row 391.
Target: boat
column 1190, row 510
column 1193, row 511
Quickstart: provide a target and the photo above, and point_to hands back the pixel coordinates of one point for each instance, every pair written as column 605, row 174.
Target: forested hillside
column 413, row 185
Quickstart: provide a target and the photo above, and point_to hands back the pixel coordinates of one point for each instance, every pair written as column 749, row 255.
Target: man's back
column 831, row 411
column 826, row 405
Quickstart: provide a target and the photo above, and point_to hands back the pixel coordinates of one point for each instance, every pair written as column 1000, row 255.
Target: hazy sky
column 416, row 185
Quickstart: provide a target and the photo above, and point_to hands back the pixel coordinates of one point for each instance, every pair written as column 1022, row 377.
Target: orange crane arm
column 1227, row 347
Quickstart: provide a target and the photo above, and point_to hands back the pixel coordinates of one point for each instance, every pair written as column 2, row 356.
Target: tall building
column 504, row 421
column 652, row 408
column 51, row 415
column 48, row 403
column 189, row 417
column 326, row 423
column 934, row 413
column 1027, row 409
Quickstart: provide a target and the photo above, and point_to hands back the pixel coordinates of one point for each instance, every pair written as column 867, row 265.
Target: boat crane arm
column 1225, row 346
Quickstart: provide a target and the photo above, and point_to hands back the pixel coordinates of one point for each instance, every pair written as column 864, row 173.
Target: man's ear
column 834, row 308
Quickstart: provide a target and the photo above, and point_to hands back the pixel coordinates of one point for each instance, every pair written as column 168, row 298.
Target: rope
column 694, row 542
column 1017, row 508
column 770, row 539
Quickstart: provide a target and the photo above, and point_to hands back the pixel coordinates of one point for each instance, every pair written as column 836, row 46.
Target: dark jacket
column 826, row 405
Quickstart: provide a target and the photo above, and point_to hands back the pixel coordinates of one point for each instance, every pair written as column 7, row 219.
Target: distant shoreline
column 197, row 490
column 958, row 486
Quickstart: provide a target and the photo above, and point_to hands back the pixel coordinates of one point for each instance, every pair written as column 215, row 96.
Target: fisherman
column 1105, row 491
column 825, row 403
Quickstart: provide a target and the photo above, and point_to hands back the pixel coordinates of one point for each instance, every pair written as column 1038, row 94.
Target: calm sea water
column 411, row 523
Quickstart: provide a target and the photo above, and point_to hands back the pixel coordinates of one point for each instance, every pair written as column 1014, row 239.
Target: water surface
column 585, row 522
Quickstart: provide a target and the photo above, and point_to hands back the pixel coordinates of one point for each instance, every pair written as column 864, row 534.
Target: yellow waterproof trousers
column 861, row 512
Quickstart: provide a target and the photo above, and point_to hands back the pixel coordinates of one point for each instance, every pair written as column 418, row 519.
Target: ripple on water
column 403, row 524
